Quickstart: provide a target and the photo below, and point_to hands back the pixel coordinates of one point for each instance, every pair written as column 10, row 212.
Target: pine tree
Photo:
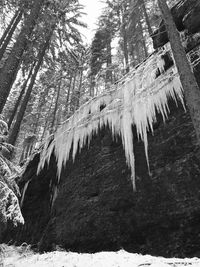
column 10, row 69
column 15, row 130
column 6, row 38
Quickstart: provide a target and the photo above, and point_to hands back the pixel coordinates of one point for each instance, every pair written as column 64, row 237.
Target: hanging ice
column 134, row 101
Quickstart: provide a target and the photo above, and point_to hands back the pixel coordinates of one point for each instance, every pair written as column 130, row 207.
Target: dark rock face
column 160, row 36
column 37, row 202
column 180, row 10
column 191, row 20
column 10, row 214
column 96, row 208
column 186, row 15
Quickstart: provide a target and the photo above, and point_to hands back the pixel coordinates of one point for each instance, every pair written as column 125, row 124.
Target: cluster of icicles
column 134, row 101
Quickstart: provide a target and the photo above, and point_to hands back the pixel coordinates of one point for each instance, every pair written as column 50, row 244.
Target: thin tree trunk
column 3, row 37
column 48, row 116
column 20, row 97
column 12, row 63
column 190, row 86
column 142, row 40
column 72, row 102
column 69, row 89
column 150, row 31
column 92, row 85
column 56, row 105
column 40, row 106
column 68, row 95
column 10, row 34
column 125, row 44
column 79, row 88
column 109, row 62
column 138, row 55
column 35, row 127
column 14, row 133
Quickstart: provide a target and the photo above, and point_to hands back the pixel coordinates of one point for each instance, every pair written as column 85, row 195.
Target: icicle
column 54, row 196
column 126, row 131
column 161, row 64
column 24, row 192
column 134, row 101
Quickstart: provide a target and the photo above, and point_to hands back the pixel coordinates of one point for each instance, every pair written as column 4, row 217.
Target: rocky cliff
column 186, row 17
column 95, row 208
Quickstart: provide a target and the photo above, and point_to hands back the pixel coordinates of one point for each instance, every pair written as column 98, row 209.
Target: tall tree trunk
column 10, row 25
column 142, row 38
column 79, row 88
column 11, row 66
column 68, row 95
column 92, row 85
column 190, row 86
column 108, row 63
column 150, row 31
column 72, row 100
column 56, row 105
column 125, row 44
column 138, row 54
column 40, row 105
column 10, row 34
column 20, row 97
column 36, row 123
column 48, row 114
column 69, row 89
column 15, row 130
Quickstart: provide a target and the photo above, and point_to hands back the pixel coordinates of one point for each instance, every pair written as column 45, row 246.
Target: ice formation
column 24, row 192
column 134, row 101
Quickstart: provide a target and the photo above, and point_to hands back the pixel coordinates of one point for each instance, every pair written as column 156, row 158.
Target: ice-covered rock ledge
column 135, row 100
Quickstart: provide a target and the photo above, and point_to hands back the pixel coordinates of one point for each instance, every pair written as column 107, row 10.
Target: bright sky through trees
column 93, row 10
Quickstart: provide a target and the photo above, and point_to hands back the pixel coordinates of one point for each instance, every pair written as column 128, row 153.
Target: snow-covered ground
column 24, row 257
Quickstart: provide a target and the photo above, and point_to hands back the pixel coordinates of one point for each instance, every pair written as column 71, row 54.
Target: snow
column 14, row 256
column 3, row 127
column 9, row 205
column 133, row 101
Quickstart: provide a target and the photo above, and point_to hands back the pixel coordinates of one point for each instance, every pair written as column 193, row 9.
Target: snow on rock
column 23, row 257
column 159, row 264
column 134, row 101
column 9, row 206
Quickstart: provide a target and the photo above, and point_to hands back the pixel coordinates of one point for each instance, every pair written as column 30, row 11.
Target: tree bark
column 150, row 31
column 56, row 105
column 48, row 117
column 72, row 100
column 11, row 66
column 108, row 62
column 79, row 87
column 20, row 97
column 10, row 34
column 10, row 25
column 68, row 96
column 142, row 38
column 92, row 85
column 68, row 93
column 190, row 86
column 15, row 131
column 125, row 44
